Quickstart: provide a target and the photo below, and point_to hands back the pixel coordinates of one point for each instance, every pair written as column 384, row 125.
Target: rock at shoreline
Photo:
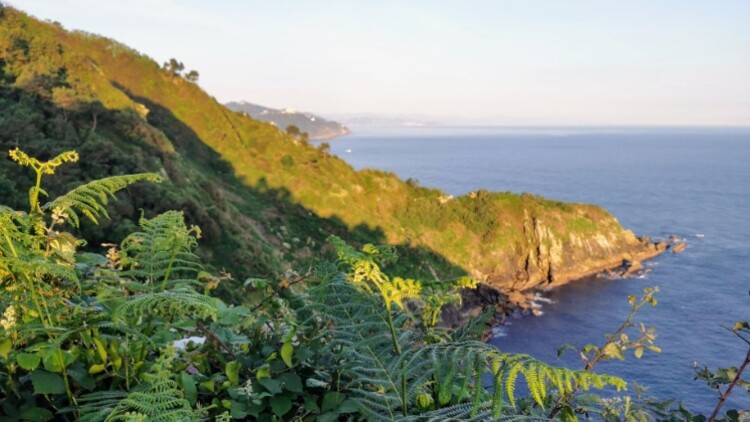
column 679, row 247
column 507, row 300
column 633, row 268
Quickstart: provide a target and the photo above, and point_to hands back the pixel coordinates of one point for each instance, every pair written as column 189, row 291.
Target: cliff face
column 543, row 257
column 550, row 259
column 518, row 242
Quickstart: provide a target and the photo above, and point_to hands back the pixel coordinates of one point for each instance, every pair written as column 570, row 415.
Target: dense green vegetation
column 111, row 311
column 137, row 334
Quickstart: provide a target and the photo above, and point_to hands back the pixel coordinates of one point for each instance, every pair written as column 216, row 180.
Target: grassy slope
column 277, row 179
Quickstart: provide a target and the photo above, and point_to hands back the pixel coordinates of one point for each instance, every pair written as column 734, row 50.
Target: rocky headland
column 551, row 261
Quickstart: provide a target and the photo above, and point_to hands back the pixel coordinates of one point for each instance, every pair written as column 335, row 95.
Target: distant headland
column 317, row 128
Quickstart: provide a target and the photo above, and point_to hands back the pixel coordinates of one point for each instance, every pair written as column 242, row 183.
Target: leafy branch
column 616, row 343
column 738, row 329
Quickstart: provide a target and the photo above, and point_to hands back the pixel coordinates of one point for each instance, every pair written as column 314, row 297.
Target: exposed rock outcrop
column 550, row 259
column 547, row 258
column 633, row 267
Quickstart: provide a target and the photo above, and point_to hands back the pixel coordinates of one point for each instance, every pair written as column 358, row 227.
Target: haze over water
column 693, row 183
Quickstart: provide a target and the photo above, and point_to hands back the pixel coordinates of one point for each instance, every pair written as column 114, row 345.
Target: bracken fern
column 91, row 199
column 388, row 383
column 159, row 400
column 161, row 250
column 180, row 302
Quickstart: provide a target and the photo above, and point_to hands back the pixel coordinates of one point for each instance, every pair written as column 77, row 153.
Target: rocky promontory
column 548, row 254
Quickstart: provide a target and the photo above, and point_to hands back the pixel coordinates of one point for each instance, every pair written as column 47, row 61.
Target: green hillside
column 264, row 200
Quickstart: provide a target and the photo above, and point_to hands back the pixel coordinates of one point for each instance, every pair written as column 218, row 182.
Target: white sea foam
column 499, row 331
column 535, row 304
column 611, row 275
column 539, row 298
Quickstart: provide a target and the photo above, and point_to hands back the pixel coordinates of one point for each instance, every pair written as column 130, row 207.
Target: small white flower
column 247, row 390
column 9, row 318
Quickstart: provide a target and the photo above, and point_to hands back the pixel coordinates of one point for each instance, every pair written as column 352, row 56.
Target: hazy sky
column 505, row 62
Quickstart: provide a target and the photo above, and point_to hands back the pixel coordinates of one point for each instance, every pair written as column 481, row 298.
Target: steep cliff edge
column 550, row 258
column 539, row 244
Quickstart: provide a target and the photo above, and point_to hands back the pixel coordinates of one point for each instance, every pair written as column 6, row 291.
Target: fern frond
column 95, row 407
column 484, row 359
column 29, row 330
column 357, row 335
column 160, row 400
column 386, row 374
column 162, row 249
column 399, row 289
column 41, row 269
column 183, row 302
column 46, row 167
column 510, row 384
column 474, row 327
column 90, row 199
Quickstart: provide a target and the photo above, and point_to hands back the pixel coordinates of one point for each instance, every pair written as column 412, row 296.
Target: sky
column 530, row 62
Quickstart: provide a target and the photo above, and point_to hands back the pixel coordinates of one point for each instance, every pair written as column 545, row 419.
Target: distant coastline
column 317, row 128
column 386, row 128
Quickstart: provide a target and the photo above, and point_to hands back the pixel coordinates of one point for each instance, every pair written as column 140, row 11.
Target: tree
column 293, row 130
column 192, row 76
column 174, row 67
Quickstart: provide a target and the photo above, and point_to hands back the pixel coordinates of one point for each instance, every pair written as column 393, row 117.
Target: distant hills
column 396, row 120
column 317, row 128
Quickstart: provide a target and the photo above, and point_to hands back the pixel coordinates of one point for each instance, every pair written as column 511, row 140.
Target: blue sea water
column 690, row 182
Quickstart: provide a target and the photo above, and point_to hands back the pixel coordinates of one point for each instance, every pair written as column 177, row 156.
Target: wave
column 539, row 298
column 499, row 331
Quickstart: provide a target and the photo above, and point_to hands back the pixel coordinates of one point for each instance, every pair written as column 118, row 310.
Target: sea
column 693, row 183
